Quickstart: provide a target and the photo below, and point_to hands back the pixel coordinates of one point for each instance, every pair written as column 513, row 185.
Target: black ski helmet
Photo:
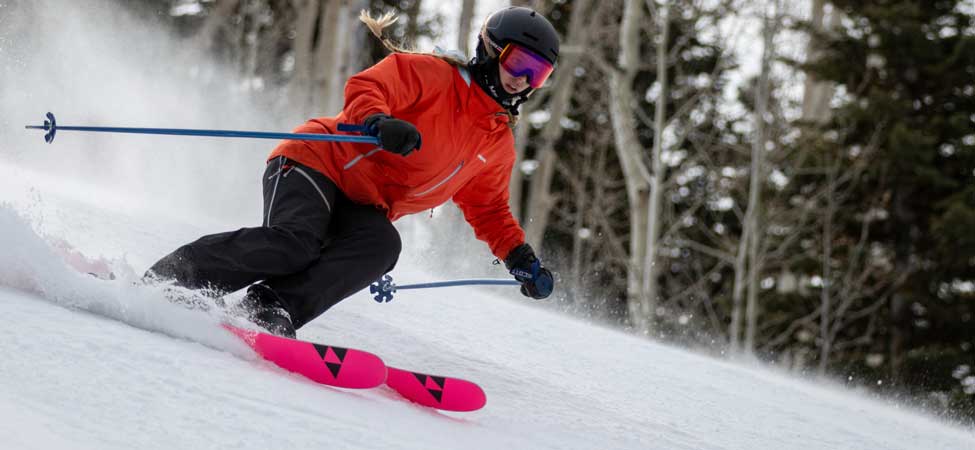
column 514, row 24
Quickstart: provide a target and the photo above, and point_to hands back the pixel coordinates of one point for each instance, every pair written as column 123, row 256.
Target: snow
column 107, row 364
column 92, row 364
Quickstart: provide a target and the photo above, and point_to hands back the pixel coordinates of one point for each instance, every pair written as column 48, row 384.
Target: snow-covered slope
column 104, row 365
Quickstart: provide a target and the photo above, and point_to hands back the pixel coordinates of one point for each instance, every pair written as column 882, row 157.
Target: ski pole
column 52, row 128
column 384, row 288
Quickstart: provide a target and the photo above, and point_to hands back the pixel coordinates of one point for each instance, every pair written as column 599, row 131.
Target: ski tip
column 438, row 392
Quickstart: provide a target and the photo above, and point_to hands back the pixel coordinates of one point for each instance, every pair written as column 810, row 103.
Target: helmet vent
column 533, row 37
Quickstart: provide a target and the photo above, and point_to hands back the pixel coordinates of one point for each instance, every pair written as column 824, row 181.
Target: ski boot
column 264, row 308
column 200, row 300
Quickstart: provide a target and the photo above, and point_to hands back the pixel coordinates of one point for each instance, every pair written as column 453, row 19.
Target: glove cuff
column 372, row 123
column 521, row 256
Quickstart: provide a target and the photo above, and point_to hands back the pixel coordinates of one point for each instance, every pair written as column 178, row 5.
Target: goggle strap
column 490, row 46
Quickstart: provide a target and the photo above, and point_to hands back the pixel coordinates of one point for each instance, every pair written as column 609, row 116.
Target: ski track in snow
column 92, row 364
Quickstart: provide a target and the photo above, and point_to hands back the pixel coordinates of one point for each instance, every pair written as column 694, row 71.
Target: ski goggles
column 520, row 61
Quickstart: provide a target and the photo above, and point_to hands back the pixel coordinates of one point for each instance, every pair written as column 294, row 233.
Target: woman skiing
column 443, row 128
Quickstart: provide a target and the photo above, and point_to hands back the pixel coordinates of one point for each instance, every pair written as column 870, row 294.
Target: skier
column 444, row 128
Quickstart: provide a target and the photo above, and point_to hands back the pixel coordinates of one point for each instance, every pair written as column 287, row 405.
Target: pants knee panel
column 390, row 245
column 302, row 249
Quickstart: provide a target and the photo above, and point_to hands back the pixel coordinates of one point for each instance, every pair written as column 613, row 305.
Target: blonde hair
column 377, row 25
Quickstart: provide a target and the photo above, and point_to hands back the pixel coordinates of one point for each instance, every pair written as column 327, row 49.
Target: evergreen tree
column 906, row 71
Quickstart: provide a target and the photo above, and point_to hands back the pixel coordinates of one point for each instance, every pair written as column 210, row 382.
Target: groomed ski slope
column 90, row 364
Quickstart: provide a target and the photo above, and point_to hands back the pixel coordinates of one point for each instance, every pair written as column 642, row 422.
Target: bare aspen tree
column 754, row 217
column 521, row 142
column 464, row 25
column 254, row 13
column 344, row 47
column 748, row 263
column 336, row 19
column 815, row 109
column 654, row 225
column 216, row 20
column 816, row 93
column 356, row 57
column 515, row 189
column 629, row 149
column 413, row 21
column 303, row 55
column 583, row 208
column 325, row 51
column 540, row 201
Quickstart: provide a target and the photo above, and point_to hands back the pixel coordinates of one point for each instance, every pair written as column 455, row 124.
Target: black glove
column 396, row 136
column 536, row 281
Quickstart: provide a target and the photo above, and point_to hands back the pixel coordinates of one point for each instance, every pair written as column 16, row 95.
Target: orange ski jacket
column 467, row 151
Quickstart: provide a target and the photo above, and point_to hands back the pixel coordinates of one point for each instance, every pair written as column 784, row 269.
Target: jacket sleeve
column 484, row 202
column 400, row 82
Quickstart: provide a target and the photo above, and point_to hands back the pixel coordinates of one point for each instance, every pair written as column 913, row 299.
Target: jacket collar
column 488, row 114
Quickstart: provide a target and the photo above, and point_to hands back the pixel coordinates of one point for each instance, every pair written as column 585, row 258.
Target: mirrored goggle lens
column 520, row 61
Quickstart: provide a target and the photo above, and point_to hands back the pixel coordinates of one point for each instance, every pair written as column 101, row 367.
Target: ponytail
column 378, row 25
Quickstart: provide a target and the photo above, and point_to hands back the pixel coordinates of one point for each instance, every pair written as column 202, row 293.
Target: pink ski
column 446, row 393
column 334, row 366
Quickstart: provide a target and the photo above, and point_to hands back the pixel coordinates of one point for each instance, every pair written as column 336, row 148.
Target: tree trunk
column 581, row 206
column 826, row 340
column 629, row 151
column 301, row 81
column 654, row 217
column 327, row 37
column 905, row 261
column 413, row 22
column 356, row 58
column 217, row 18
column 250, row 33
column 738, row 292
column 515, row 184
column 817, row 94
column 540, row 201
column 533, row 4
column 464, row 25
column 753, row 216
column 333, row 32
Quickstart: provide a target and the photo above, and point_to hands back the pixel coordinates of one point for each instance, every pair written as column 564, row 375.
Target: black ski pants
column 315, row 247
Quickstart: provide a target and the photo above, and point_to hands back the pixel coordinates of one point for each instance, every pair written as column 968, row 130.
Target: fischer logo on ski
column 332, row 357
column 433, row 385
